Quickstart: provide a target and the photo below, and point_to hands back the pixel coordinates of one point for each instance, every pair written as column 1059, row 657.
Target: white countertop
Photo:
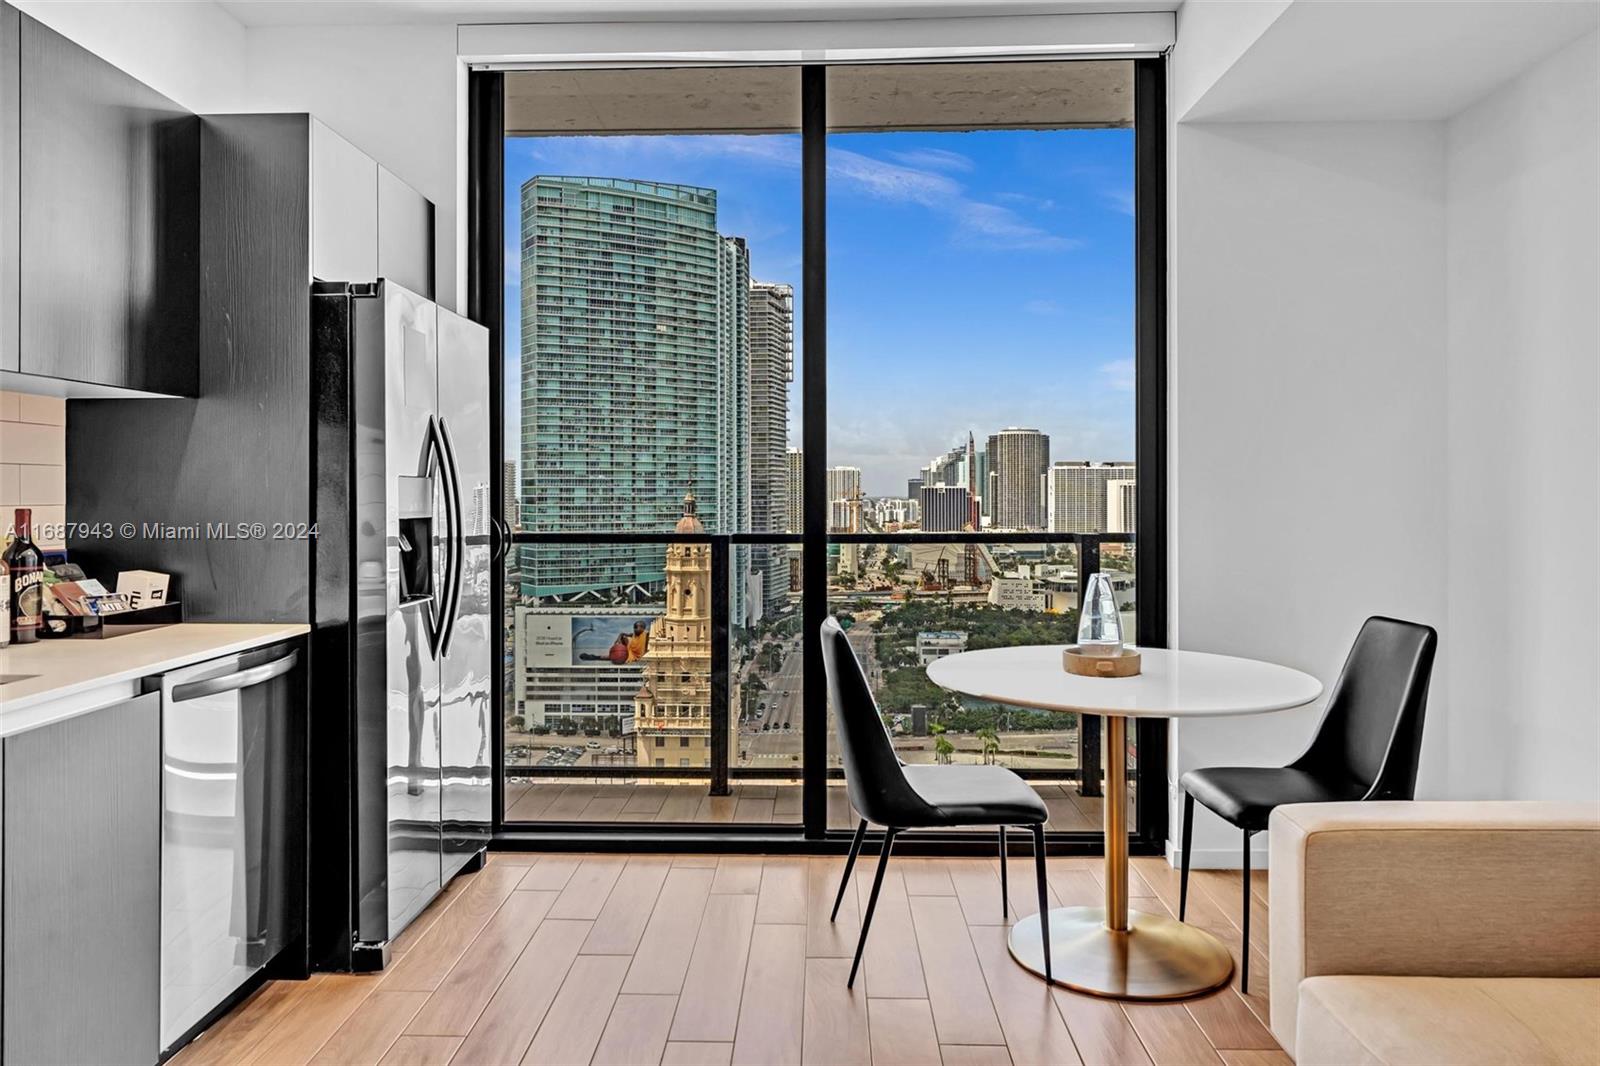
column 1174, row 684
column 66, row 677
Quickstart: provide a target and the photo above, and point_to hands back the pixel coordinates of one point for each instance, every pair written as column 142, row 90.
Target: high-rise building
column 626, row 292
column 795, row 464
column 672, row 709
column 567, row 679
column 733, row 421
column 945, row 508
column 945, row 469
column 981, row 461
column 1122, row 501
column 844, row 482
column 844, row 499
column 914, row 488
column 733, row 387
column 889, row 510
column 1077, row 496
column 1018, row 459
column 951, row 469
column 508, row 486
column 771, row 371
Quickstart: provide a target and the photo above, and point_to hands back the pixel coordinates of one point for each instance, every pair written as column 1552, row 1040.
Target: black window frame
column 484, row 289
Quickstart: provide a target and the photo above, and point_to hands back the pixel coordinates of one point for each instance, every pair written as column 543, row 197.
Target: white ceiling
column 1319, row 60
column 358, row 12
column 1347, row 60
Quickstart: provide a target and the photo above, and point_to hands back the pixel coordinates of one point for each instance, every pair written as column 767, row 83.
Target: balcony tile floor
column 614, row 959
column 776, row 803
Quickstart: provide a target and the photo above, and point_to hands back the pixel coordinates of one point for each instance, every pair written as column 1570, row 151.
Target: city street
column 773, row 735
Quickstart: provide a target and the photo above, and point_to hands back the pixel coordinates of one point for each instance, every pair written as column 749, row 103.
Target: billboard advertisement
column 602, row 641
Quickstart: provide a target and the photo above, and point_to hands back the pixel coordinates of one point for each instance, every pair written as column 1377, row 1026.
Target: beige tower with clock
column 672, row 710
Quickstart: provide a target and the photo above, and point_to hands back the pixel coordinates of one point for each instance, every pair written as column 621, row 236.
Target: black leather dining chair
column 1365, row 748
column 885, row 791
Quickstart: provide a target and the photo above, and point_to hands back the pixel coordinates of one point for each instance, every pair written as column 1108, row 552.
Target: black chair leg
column 1044, row 899
column 1183, row 859
column 1244, row 945
column 849, row 864
column 1005, row 895
column 872, row 904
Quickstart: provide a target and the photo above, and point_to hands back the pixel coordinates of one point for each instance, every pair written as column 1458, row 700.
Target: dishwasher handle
column 243, row 679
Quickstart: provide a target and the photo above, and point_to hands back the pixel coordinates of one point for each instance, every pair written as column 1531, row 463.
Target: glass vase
column 1100, row 623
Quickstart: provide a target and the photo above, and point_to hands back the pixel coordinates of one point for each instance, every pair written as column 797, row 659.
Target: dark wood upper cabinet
column 109, row 236
column 284, row 199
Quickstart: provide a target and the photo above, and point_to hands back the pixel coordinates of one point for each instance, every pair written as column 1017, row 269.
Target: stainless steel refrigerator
column 401, row 440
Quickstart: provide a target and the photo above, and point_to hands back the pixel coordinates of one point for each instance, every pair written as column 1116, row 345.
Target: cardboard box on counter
column 143, row 588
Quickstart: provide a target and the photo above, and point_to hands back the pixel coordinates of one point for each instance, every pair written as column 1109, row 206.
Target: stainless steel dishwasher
column 232, row 826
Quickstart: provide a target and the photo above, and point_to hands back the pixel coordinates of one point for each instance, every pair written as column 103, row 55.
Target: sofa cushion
column 1450, row 1021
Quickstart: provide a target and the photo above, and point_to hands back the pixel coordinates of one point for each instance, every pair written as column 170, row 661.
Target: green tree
column 991, row 745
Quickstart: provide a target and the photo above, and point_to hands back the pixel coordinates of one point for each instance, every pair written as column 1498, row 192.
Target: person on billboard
column 639, row 643
column 617, row 656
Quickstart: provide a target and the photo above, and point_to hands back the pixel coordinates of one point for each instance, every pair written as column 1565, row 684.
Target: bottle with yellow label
column 24, row 565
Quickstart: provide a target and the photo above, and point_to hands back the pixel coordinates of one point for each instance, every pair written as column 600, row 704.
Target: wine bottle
column 5, row 595
column 25, row 573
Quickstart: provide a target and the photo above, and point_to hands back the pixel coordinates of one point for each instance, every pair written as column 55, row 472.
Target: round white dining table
column 1111, row 950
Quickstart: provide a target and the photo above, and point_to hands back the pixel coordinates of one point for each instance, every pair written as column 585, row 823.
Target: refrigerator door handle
column 434, row 462
column 458, row 543
column 502, row 539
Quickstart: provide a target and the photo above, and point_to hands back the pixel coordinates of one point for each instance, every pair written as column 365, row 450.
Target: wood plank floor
column 609, row 959
column 773, row 803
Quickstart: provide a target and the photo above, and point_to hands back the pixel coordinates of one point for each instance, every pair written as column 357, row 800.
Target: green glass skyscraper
column 634, row 320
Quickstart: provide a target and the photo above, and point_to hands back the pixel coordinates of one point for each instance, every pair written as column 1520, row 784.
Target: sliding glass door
column 777, row 343
column 652, row 236
column 980, row 388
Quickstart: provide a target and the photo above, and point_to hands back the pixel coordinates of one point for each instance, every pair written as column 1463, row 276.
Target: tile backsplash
column 33, row 462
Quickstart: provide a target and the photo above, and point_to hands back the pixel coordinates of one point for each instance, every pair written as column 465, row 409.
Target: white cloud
column 1042, row 307
column 934, row 159
column 891, row 181
column 1002, row 227
column 977, row 223
column 1121, row 199
column 1038, row 203
column 1118, row 374
column 915, row 179
column 513, row 263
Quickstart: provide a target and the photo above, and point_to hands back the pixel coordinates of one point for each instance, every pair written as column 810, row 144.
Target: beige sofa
column 1450, row 933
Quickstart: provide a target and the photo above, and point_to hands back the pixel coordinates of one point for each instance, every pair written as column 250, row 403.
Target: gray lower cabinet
column 81, row 864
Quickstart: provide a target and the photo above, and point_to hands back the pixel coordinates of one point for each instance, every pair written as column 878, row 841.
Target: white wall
column 1523, row 403
column 1308, row 415
column 193, row 53
column 1384, row 399
column 1215, row 34
column 392, row 91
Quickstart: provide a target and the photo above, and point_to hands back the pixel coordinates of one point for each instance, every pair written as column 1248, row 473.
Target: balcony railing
column 1086, row 550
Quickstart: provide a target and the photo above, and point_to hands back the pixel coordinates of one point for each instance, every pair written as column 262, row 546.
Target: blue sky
column 975, row 280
